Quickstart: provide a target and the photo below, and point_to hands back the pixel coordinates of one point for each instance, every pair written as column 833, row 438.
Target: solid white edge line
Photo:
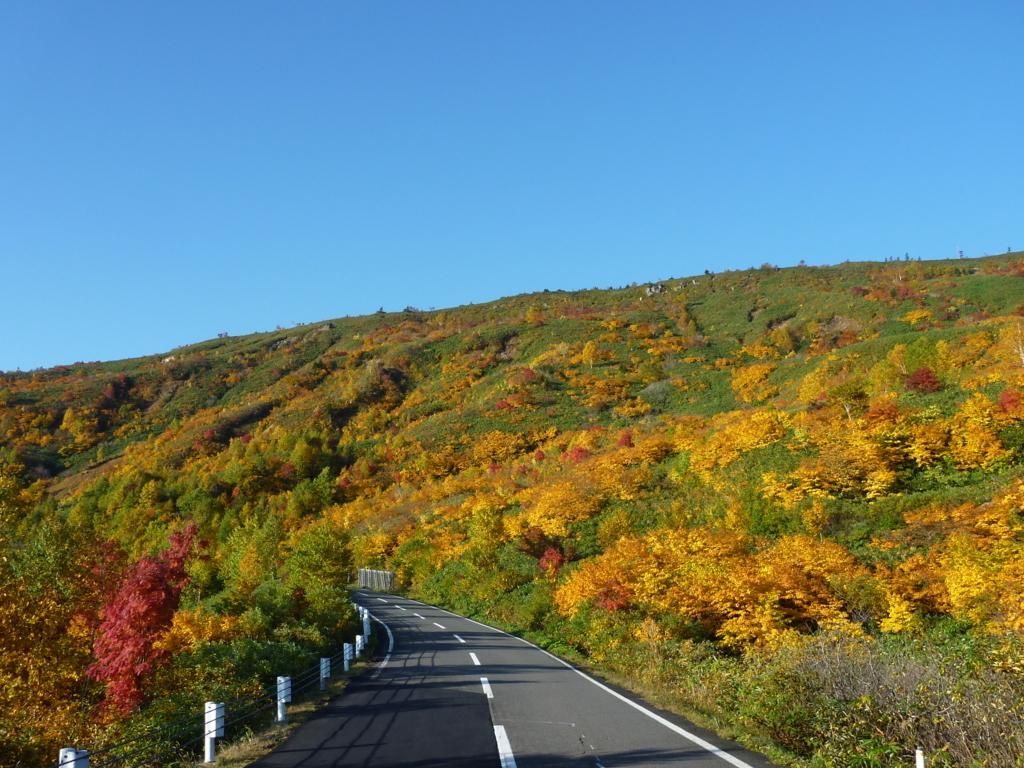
column 508, row 760
column 485, row 683
column 438, row 625
column 702, row 743
column 391, row 646
column 474, row 658
column 692, row 737
column 459, row 638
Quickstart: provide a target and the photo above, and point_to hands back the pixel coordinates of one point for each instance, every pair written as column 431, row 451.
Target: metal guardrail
column 381, row 581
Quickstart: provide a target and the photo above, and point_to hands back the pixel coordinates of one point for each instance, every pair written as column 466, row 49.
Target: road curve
column 455, row 692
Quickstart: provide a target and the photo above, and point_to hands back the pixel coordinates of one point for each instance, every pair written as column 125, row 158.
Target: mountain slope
column 718, row 480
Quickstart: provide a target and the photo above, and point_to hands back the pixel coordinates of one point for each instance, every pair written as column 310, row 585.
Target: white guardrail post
column 70, row 757
column 325, row 672
column 215, row 712
column 919, row 759
column 284, row 696
column 214, row 722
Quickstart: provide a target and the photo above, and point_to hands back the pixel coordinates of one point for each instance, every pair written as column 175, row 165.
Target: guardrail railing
column 218, row 720
column 381, row 581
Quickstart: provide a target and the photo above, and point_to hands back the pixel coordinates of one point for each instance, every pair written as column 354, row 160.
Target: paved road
column 454, row 692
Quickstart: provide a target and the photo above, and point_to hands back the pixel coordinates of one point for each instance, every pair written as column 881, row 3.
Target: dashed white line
column 382, row 599
column 692, row 737
column 418, row 616
column 438, row 625
column 400, row 607
column 487, row 687
column 474, row 658
column 508, row 760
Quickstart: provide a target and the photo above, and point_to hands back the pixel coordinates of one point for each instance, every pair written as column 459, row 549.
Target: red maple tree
column 134, row 619
column 923, row 380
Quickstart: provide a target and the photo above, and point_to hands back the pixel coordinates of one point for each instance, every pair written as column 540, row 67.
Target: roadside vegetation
column 786, row 501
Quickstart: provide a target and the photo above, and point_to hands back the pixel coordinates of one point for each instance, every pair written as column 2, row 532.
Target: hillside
column 786, row 501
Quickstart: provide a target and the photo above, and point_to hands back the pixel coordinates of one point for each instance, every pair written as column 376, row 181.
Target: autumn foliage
column 764, row 490
column 137, row 615
column 924, row 380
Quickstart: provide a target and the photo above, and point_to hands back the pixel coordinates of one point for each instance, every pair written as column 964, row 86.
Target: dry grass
column 960, row 713
column 835, row 701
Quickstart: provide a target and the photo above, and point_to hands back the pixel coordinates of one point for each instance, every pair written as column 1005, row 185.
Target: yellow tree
column 558, row 505
column 591, row 354
column 50, row 588
column 750, row 383
column 974, row 443
column 715, row 579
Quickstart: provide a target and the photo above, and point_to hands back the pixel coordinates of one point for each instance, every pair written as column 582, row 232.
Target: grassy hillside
column 785, row 501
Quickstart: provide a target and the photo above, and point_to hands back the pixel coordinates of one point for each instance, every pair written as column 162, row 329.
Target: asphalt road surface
column 454, row 692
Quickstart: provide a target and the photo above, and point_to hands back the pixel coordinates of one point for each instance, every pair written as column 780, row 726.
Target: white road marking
column 418, row 616
column 508, row 760
column 391, row 646
column 542, row 722
column 692, row 737
column 487, row 687
column 382, row 599
column 438, row 625
column 458, row 638
column 474, row 658
column 399, row 607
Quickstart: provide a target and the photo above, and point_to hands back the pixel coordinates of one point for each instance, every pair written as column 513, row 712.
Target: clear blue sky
column 173, row 170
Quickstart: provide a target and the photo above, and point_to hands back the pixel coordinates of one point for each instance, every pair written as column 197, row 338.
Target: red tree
column 923, row 380
column 1010, row 401
column 135, row 617
column 612, row 598
column 551, row 561
column 577, row 454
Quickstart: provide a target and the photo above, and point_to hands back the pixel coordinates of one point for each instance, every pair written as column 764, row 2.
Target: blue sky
column 171, row 171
